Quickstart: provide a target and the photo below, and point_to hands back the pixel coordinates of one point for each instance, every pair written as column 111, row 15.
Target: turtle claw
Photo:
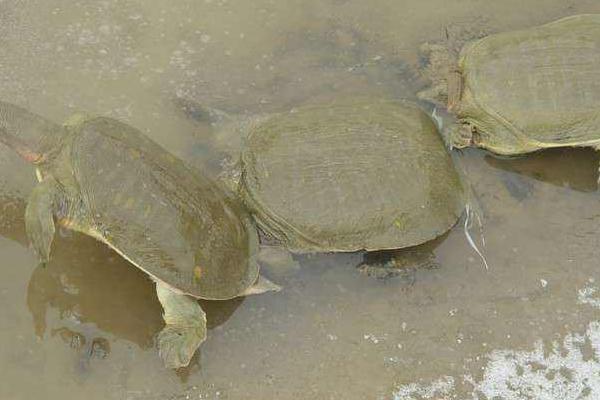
column 177, row 345
column 380, row 271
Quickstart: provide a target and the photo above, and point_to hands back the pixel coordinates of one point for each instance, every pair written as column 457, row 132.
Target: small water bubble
column 392, row 360
column 372, row 338
column 543, row 282
column 204, row 38
column 130, row 61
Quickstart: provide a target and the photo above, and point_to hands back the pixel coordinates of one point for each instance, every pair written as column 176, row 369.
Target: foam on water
column 564, row 371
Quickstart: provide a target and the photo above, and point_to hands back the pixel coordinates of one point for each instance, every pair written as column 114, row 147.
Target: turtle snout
column 463, row 136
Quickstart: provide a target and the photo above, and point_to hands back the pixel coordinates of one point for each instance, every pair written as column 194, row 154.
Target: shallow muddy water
column 83, row 327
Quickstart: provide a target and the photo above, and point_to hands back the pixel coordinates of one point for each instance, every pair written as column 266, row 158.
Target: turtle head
column 454, row 133
column 30, row 135
column 499, row 141
column 459, row 136
column 460, row 133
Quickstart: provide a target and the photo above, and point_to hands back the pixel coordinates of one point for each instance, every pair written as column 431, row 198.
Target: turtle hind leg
column 185, row 327
column 404, row 263
column 39, row 219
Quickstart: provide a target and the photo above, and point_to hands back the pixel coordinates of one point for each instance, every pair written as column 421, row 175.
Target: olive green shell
column 352, row 175
column 535, row 88
column 173, row 223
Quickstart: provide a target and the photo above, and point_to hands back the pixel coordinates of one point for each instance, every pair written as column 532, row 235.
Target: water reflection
column 350, row 336
column 572, row 168
column 88, row 347
column 95, row 293
column 87, row 282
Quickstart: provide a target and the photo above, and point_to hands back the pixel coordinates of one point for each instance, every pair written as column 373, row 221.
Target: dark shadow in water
column 401, row 264
column 319, row 60
column 572, row 168
column 89, row 284
column 87, row 281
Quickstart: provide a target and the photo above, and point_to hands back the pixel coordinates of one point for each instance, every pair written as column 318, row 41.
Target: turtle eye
column 475, row 136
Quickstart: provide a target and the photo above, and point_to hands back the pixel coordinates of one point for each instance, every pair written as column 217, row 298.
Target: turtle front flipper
column 185, row 327
column 39, row 219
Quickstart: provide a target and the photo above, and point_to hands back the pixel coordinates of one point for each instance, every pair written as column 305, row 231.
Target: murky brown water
column 83, row 327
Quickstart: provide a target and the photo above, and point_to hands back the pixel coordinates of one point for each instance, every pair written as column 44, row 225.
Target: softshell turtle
column 106, row 179
column 525, row 90
column 347, row 175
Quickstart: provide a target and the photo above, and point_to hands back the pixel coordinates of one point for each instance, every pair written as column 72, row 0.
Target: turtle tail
column 28, row 134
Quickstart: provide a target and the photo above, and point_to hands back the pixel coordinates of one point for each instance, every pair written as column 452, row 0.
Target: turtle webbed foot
column 403, row 263
column 185, row 327
column 381, row 270
column 177, row 344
